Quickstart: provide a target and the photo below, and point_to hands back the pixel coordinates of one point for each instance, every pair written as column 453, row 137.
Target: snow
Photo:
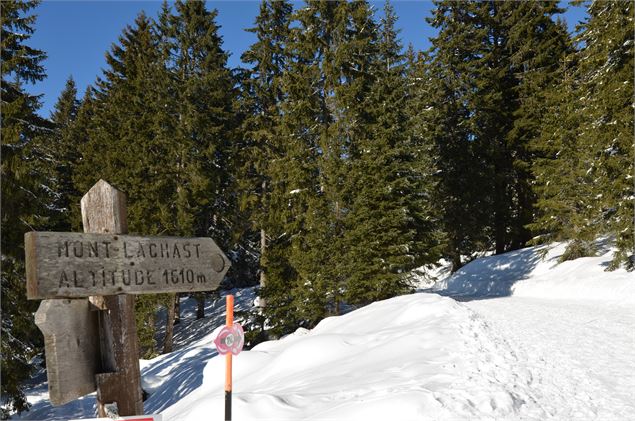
column 406, row 355
column 526, row 273
column 580, row 355
column 511, row 337
column 426, row 276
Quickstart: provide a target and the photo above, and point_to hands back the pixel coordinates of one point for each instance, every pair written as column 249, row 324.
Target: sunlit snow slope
column 525, row 339
column 416, row 357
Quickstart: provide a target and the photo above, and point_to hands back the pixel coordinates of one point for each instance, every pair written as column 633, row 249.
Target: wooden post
column 104, row 211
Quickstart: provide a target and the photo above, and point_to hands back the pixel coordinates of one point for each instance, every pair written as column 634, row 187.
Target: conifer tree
column 323, row 121
column 538, row 46
column 204, row 121
column 292, row 181
column 388, row 225
column 123, row 144
column 606, row 143
column 584, row 176
column 562, row 182
column 24, row 205
column 262, row 93
column 494, row 59
column 345, row 43
column 63, row 148
column 463, row 190
column 606, row 76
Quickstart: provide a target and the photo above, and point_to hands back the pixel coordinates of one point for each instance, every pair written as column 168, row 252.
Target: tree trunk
column 200, row 306
column 263, row 275
column 169, row 325
column 500, row 214
column 456, row 260
column 177, row 309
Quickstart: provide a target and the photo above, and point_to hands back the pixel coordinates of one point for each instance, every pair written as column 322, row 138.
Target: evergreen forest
column 336, row 160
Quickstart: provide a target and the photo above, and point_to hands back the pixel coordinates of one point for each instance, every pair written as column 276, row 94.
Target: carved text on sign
column 79, row 265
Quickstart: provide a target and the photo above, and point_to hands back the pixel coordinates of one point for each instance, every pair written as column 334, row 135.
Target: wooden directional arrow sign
column 66, row 265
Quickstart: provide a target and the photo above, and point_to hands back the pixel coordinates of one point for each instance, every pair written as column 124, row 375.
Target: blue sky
column 77, row 34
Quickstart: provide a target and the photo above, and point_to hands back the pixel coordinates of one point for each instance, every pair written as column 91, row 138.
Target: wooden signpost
column 65, row 265
column 86, row 281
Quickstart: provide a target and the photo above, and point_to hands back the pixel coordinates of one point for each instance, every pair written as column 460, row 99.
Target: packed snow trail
column 580, row 356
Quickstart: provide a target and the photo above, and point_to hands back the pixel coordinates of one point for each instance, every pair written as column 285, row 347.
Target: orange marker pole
column 229, row 321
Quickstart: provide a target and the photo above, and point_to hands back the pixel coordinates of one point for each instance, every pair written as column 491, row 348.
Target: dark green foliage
column 555, row 183
column 260, row 146
column 261, row 94
column 389, row 227
column 62, row 145
column 606, row 132
column 349, row 182
column 160, row 128
column 584, row 174
column 563, row 184
column 538, row 46
column 576, row 249
column 24, row 196
column 328, row 78
column 489, row 65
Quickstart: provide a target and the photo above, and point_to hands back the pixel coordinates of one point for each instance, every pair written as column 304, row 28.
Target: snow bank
column 421, row 356
column 535, row 272
column 402, row 357
column 166, row 378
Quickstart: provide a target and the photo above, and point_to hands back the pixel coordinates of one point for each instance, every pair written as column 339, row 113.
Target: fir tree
column 343, row 37
column 538, row 45
column 562, row 181
column 263, row 94
column 387, row 225
column 329, row 79
column 204, row 120
column 292, row 182
column 463, row 190
column 24, row 205
column 492, row 60
column 63, row 148
column 124, row 146
column 583, row 176
column 606, row 138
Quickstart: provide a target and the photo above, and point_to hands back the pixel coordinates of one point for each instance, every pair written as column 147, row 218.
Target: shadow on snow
column 491, row 277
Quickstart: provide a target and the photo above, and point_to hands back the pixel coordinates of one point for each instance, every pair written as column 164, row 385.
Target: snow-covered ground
column 525, row 339
column 535, row 272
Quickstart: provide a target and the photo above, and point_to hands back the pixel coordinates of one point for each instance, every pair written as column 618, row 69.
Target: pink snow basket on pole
column 230, row 339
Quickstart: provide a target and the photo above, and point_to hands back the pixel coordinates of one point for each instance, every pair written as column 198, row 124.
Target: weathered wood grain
column 104, row 211
column 72, row 347
column 120, row 379
column 62, row 265
column 111, row 205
